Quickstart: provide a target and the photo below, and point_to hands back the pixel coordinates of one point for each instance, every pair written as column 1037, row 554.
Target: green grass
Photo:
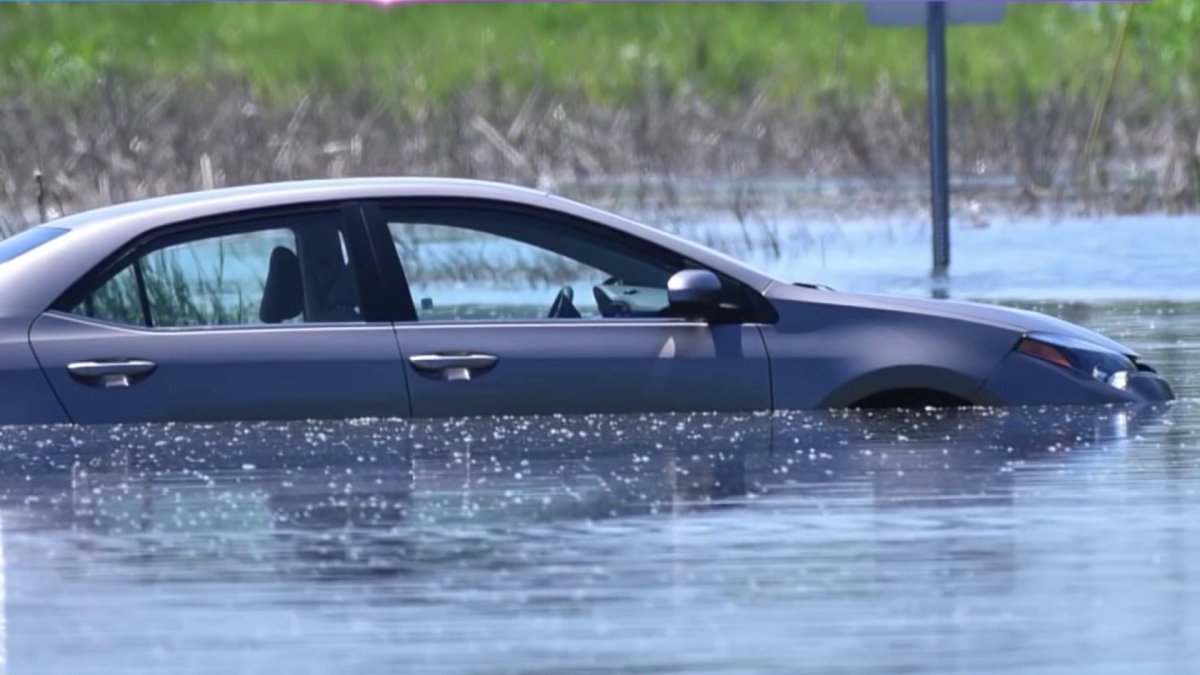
column 408, row 56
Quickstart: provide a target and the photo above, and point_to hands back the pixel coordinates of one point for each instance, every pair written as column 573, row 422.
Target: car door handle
column 116, row 373
column 452, row 367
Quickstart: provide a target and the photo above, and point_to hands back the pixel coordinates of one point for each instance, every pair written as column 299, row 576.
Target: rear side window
column 293, row 269
column 116, row 301
column 24, row 242
column 222, row 281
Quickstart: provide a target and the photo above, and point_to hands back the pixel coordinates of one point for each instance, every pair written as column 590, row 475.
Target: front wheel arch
column 917, row 382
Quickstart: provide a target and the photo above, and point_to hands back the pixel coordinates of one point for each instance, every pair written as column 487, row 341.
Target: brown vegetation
column 125, row 140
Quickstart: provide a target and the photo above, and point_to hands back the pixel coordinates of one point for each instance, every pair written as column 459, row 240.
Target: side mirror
column 694, row 293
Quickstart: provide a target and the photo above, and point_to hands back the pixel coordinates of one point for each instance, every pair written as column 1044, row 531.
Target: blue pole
column 939, row 163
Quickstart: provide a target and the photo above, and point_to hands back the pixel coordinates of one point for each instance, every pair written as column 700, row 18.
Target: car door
column 247, row 317
column 517, row 310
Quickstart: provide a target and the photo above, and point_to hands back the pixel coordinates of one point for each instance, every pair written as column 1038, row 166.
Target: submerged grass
column 128, row 140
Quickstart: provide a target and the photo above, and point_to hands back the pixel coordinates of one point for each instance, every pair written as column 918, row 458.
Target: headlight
column 1081, row 356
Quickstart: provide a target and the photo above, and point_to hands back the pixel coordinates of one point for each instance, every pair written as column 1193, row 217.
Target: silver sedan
column 435, row 297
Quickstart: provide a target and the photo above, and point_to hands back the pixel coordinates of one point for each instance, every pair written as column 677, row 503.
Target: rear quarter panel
column 25, row 395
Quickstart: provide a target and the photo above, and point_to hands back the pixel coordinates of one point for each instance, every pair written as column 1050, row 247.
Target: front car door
column 243, row 317
column 519, row 310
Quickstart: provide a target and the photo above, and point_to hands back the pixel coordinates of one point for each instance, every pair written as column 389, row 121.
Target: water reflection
column 941, row 540
column 380, row 473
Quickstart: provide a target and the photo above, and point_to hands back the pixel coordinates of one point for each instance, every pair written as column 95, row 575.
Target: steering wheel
column 563, row 306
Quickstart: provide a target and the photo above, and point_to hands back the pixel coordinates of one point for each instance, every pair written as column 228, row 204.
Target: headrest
column 283, row 293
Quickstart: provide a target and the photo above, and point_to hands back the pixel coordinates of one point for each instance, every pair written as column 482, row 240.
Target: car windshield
column 28, row 240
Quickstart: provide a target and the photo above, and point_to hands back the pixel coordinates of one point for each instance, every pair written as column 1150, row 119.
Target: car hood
column 1020, row 320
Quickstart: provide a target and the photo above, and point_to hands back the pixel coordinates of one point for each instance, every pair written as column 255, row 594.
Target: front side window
column 497, row 265
column 286, row 269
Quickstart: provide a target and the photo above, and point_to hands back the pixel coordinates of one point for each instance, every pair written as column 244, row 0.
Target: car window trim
column 548, row 322
column 352, row 226
column 756, row 310
column 397, row 303
column 139, row 277
column 221, row 328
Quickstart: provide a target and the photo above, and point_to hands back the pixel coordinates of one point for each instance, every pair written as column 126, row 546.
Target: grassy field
column 410, row 56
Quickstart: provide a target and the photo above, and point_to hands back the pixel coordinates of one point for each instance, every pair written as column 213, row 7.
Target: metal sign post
column 939, row 160
column 935, row 16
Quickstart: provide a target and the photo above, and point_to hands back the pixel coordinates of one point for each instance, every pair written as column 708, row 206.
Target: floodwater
column 1022, row 540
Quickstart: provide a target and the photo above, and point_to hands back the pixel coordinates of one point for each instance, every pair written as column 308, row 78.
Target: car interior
column 315, row 283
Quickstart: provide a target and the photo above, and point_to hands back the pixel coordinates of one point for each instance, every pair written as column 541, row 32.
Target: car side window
column 116, row 300
column 285, row 269
column 465, row 264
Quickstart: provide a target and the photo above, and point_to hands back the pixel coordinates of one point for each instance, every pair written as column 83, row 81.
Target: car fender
column 826, row 353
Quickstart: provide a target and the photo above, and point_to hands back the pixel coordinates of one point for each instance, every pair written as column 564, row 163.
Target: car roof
column 247, row 197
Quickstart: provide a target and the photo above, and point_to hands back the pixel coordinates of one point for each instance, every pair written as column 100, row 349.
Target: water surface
column 1021, row 540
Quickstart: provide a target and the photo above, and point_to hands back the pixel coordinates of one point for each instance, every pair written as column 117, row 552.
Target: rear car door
column 517, row 310
column 263, row 316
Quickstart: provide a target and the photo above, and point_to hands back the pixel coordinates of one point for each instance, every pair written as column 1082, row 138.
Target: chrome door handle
column 110, row 373
column 452, row 367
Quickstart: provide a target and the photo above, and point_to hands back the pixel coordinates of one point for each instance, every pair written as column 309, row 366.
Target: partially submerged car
column 420, row 297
